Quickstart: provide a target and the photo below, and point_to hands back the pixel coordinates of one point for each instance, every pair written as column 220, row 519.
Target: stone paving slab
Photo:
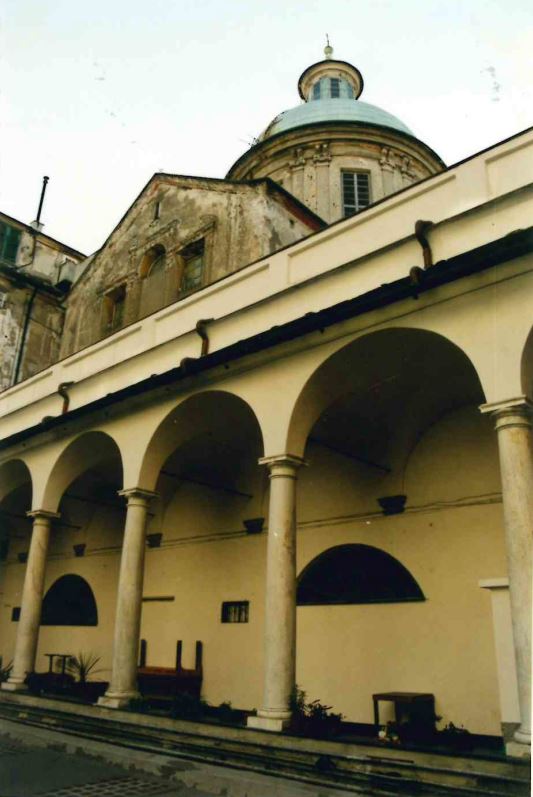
column 40, row 762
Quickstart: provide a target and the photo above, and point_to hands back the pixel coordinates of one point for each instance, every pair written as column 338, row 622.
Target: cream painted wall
column 449, row 538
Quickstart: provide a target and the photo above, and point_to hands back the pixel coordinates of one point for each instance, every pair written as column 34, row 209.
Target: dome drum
column 333, row 152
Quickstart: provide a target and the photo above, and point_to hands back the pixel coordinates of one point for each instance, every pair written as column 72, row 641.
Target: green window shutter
column 11, row 244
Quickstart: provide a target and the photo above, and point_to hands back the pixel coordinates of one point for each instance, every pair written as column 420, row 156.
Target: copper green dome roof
column 333, row 110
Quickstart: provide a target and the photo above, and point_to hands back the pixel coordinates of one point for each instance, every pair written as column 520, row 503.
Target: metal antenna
column 45, row 182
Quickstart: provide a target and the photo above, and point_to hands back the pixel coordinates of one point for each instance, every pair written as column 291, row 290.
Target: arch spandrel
column 86, row 451
column 402, row 362
column 213, row 412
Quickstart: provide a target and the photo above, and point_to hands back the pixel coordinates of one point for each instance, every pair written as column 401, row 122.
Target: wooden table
column 408, row 707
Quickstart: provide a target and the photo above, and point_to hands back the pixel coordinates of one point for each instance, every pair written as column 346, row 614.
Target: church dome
column 334, row 153
column 333, row 110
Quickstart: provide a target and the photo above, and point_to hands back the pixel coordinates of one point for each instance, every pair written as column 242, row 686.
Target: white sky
column 101, row 94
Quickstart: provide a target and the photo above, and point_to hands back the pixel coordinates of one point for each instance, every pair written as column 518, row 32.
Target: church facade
column 290, row 419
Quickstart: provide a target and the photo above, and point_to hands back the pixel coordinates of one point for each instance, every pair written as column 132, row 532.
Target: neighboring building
column 36, row 273
column 364, row 365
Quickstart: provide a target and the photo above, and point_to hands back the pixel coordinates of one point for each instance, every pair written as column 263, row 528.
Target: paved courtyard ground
column 48, row 763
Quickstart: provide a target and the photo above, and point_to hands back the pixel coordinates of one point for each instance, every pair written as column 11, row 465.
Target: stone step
column 360, row 769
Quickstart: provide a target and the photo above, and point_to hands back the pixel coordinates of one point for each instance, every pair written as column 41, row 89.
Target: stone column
column 280, row 605
column 32, row 600
column 513, row 425
column 123, row 685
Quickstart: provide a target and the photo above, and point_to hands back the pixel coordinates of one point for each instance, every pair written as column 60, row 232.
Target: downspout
column 24, row 333
column 416, row 274
column 62, row 390
column 201, row 329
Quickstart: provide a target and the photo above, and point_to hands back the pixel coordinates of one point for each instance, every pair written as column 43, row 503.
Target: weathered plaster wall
column 41, row 346
column 239, row 224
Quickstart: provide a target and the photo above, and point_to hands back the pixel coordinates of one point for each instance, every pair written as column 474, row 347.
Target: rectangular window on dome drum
column 355, row 192
column 335, row 86
column 316, row 91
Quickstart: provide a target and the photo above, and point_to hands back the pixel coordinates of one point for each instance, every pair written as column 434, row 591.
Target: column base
column 14, row 686
column 517, row 750
column 116, row 701
column 273, row 724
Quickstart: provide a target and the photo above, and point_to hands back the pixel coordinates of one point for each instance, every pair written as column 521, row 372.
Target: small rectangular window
column 355, row 192
column 316, row 91
column 235, row 612
column 157, row 210
column 335, row 86
column 15, row 614
column 193, row 266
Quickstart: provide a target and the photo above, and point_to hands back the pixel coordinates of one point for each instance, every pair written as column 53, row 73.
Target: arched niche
column 355, row 574
column 69, row 601
column 153, row 261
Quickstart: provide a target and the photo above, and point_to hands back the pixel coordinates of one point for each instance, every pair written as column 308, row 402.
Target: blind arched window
column 349, row 574
column 69, row 601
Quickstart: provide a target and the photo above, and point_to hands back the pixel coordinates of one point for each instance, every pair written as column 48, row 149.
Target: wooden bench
column 167, row 682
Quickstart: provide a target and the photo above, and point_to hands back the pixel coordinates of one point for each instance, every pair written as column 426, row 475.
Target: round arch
column 88, row 451
column 69, row 601
column 527, row 367
column 152, row 261
column 215, row 413
column 14, row 474
column 355, row 574
column 379, row 370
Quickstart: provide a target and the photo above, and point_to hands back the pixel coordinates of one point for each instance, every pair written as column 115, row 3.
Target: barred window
column 235, row 612
column 355, row 192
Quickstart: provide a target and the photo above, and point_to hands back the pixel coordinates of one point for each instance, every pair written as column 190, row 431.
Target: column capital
column 43, row 513
column 288, row 461
column 511, row 412
column 137, row 493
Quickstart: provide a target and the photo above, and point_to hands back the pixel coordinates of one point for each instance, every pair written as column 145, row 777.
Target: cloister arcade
column 386, row 414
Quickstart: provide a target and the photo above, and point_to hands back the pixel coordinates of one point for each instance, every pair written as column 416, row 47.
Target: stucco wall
column 449, row 538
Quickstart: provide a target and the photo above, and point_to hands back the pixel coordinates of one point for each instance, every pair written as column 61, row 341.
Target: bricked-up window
column 9, row 243
column 355, row 192
column 193, row 257
column 235, row 611
column 114, row 302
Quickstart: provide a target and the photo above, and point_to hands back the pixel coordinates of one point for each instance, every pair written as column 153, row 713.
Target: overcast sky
column 100, row 95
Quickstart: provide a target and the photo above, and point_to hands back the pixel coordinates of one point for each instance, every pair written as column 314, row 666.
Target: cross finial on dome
column 328, row 49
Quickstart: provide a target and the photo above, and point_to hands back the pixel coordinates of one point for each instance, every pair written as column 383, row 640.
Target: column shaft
column 280, row 605
column 513, row 425
column 123, row 685
column 32, row 599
